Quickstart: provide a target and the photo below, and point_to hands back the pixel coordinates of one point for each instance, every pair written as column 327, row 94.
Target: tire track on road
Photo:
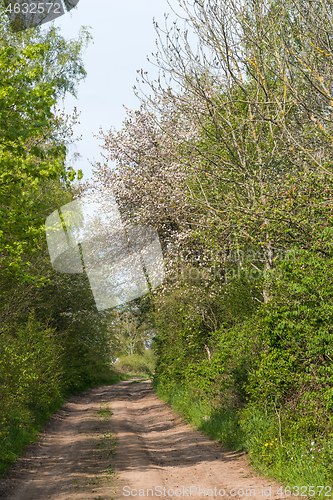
column 156, row 450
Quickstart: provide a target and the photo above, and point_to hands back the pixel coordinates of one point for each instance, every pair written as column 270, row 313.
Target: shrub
column 137, row 364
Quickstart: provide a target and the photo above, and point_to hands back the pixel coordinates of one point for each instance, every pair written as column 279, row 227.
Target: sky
column 123, row 36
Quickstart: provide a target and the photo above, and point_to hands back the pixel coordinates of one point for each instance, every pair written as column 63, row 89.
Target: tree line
column 53, row 341
column 229, row 157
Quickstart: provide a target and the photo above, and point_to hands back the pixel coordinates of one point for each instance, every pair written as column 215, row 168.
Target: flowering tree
column 234, row 160
column 258, row 91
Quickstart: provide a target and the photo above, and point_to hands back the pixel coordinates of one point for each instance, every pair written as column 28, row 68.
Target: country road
column 85, row 453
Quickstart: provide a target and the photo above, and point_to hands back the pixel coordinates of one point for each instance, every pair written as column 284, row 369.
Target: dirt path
column 85, row 453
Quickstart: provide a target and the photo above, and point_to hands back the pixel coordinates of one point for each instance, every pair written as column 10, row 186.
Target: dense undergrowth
column 137, row 364
column 53, row 341
column 37, row 373
column 267, row 385
column 301, row 461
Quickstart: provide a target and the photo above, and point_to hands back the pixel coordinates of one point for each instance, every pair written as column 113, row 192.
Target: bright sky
column 123, row 35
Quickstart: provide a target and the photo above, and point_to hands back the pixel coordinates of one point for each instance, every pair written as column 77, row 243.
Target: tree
column 258, row 92
column 33, row 138
column 214, row 165
column 127, row 334
column 61, row 63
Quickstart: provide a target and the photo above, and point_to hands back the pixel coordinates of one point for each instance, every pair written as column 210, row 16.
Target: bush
column 38, row 368
column 137, row 364
column 267, row 384
column 31, row 378
column 295, row 372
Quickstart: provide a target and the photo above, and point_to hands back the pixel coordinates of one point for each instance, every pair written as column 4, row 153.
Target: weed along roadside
column 303, row 466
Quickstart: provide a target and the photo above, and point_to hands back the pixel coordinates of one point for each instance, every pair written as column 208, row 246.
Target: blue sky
column 123, row 35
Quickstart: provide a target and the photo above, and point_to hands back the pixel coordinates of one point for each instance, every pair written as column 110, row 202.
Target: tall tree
column 33, row 135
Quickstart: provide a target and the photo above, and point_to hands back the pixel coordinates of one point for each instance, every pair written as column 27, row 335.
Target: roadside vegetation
column 229, row 157
column 138, row 364
column 53, row 342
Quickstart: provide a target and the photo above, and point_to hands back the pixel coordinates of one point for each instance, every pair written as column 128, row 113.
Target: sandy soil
column 84, row 454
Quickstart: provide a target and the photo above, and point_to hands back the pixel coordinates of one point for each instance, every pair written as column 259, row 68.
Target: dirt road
column 85, row 453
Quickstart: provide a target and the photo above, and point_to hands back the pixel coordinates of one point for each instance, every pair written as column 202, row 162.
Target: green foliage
column 128, row 334
column 31, row 374
column 197, row 332
column 53, row 341
column 137, row 364
column 30, row 363
column 267, row 386
column 295, row 370
column 104, row 412
column 38, row 368
column 36, row 68
column 62, row 63
column 25, row 110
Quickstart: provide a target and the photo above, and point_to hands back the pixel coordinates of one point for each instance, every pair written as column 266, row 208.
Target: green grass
column 298, row 461
column 107, row 444
column 22, row 430
column 137, row 365
column 104, row 412
column 221, row 425
column 24, row 427
column 257, row 433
